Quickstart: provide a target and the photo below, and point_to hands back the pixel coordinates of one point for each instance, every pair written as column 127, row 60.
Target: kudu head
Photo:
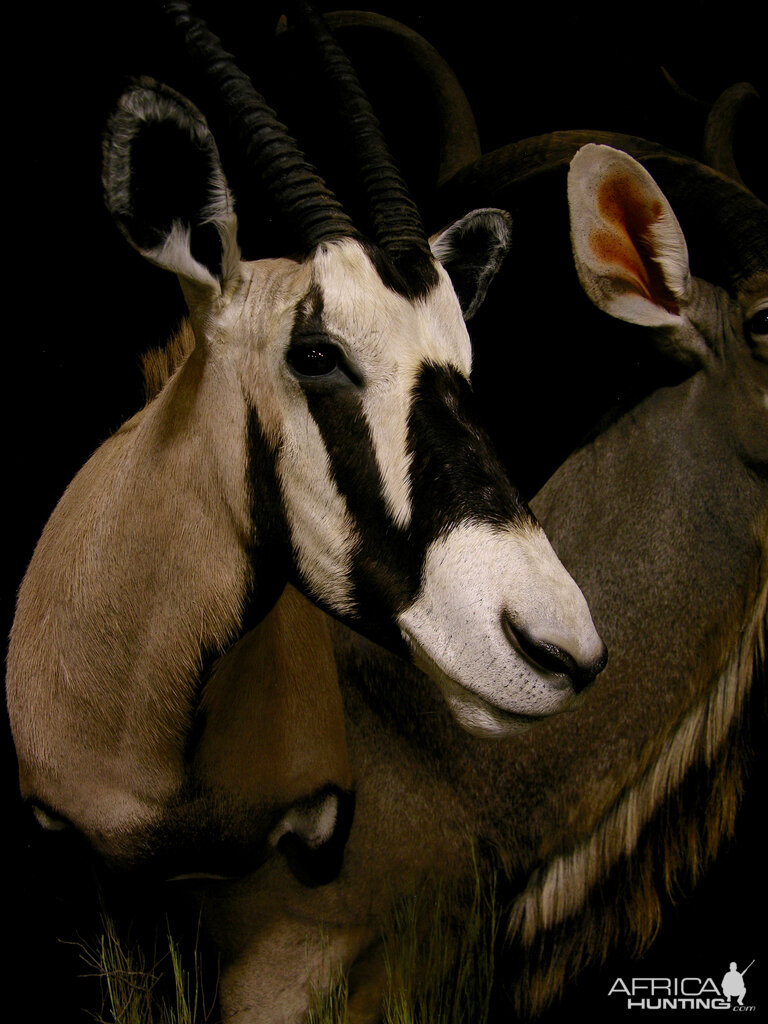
column 321, row 432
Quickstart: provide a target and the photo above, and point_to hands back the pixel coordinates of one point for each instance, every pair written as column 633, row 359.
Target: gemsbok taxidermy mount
column 320, row 431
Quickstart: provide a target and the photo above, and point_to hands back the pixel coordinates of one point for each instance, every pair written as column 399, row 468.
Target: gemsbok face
column 320, row 431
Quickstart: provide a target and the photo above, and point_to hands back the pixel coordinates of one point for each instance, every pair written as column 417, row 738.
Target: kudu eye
column 313, row 360
column 757, row 324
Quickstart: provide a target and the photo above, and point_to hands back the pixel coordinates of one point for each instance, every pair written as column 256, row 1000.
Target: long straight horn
column 396, row 221
column 291, row 182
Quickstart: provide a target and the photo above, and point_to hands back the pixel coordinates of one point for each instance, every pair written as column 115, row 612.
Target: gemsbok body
column 320, row 431
column 665, row 513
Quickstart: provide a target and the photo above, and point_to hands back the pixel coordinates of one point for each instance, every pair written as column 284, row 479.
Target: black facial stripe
column 269, row 545
column 454, row 472
column 383, row 547
column 458, row 478
column 455, row 477
column 338, row 413
column 308, row 318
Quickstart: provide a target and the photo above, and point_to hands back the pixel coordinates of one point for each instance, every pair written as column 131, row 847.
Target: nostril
column 552, row 658
column 547, row 656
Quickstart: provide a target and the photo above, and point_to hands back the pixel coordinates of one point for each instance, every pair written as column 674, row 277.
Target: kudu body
column 665, row 513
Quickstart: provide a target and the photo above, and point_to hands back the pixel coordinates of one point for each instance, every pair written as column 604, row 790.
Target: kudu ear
column 629, row 249
column 165, row 187
column 312, row 836
column 472, row 250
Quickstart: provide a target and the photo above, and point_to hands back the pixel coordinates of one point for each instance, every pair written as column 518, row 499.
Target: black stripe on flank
column 455, row 474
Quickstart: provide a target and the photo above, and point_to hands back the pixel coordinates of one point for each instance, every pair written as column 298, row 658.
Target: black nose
column 587, row 673
column 554, row 659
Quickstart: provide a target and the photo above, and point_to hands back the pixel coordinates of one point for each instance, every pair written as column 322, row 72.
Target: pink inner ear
column 629, row 249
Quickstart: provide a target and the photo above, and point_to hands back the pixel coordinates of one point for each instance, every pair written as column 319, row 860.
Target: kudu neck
column 663, row 508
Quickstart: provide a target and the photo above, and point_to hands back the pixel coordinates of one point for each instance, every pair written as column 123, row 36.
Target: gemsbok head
column 320, row 431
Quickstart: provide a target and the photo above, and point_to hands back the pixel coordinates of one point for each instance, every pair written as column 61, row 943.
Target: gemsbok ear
column 472, row 249
column 313, row 835
column 166, row 189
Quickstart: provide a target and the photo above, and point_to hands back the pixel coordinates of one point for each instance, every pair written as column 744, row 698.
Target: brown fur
column 159, row 364
column 138, row 734
column 274, row 726
column 676, row 847
column 423, row 789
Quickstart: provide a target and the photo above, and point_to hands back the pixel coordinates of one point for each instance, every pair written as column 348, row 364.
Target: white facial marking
column 390, row 339
column 473, row 712
column 387, row 339
column 476, row 578
column 323, row 533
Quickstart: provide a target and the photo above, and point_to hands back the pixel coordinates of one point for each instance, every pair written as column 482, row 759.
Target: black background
column 81, row 307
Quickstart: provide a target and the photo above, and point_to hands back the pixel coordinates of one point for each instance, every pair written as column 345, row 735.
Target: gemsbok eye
column 313, row 360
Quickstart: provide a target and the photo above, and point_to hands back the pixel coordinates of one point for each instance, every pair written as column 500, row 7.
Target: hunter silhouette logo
column 689, row 993
column 733, row 983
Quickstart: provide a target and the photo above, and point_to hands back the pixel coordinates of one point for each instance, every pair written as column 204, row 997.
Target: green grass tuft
column 139, row 989
column 438, row 953
column 439, row 958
